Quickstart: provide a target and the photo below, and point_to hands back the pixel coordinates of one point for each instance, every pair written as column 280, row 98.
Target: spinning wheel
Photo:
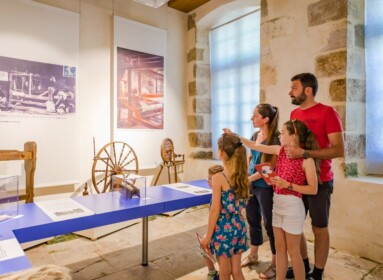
column 167, row 150
column 115, row 158
column 169, row 159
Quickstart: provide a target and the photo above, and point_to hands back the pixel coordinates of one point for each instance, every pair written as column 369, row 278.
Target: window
column 234, row 62
column 374, row 86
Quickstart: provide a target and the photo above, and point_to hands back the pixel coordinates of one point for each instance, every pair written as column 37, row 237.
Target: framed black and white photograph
column 36, row 88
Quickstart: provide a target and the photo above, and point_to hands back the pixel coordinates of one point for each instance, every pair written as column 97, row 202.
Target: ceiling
column 186, row 5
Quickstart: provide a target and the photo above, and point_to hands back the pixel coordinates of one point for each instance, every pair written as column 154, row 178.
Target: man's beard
column 299, row 99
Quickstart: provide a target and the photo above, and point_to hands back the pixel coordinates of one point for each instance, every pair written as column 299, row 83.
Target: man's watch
column 306, row 154
column 290, row 187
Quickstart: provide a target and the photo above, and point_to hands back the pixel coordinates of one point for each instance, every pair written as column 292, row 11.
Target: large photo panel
column 140, row 89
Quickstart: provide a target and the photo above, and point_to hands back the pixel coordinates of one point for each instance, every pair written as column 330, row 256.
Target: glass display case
column 9, row 196
column 129, row 185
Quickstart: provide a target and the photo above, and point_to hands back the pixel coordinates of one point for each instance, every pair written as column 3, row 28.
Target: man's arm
column 335, row 150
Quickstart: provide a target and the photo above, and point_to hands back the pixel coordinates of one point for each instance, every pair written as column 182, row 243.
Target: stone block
column 341, row 110
column 203, row 88
column 356, row 90
column 356, row 9
column 192, row 88
column 277, row 28
column 192, row 55
column 199, row 54
column 351, row 169
column 356, row 117
column 202, row 105
column 355, row 146
column 264, row 8
column 201, row 155
column 355, row 63
column 338, row 90
column 190, row 39
column 332, row 64
column 195, row 122
column 202, row 71
column 326, row 10
column 262, row 96
column 201, row 140
column 337, row 39
column 191, row 21
column 359, row 35
column 268, row 76
column 202, row 36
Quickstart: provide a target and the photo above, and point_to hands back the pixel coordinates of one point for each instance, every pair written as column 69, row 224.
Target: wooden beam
column 186, row 6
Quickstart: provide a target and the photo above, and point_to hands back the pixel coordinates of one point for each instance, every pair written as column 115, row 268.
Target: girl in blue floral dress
column 226, row 235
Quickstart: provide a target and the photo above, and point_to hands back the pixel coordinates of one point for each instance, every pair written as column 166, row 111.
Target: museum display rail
column 108, row 208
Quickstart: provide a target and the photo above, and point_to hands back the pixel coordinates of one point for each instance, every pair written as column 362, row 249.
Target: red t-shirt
column 321, row 120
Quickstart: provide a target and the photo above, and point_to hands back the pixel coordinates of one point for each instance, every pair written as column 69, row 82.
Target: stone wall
column 198, row 100
column 323, row 37
column 326, row 38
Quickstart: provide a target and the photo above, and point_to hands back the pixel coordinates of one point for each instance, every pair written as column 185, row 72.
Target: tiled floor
column 172, row 254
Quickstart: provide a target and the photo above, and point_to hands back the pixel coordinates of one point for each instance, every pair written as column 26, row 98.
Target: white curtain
column 234, row 60
column 374, row 86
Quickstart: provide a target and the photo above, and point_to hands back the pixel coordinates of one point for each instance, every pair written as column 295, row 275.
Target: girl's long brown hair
column 271, row 112
column 307, row 139
column 237, row 163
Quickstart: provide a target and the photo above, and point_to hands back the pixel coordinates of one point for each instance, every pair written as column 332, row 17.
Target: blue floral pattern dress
column 230, row 233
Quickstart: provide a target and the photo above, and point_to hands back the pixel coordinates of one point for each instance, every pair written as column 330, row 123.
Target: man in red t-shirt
column 326, row 125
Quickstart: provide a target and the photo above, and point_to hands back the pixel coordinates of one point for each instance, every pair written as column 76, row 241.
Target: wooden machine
column 115, row 158
column 29, row 157
column 169, row 159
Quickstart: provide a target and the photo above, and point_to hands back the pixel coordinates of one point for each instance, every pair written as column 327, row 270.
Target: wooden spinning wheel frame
column 167, row 150
column 115, row 158
column 169, row 159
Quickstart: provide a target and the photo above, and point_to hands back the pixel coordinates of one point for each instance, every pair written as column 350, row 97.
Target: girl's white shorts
column 289, row 213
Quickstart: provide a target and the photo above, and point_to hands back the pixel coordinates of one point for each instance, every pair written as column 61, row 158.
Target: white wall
column 94, row 107
column 40, row 34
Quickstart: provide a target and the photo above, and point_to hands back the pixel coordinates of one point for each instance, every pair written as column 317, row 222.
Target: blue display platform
column 108, row 208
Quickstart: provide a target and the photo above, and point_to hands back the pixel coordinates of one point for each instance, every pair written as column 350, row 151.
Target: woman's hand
column 279, row 182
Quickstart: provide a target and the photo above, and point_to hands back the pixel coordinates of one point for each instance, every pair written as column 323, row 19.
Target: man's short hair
column 307, row 80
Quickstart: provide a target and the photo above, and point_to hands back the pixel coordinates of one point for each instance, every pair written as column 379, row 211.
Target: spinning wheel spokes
column 105, row 164
column 125, row 158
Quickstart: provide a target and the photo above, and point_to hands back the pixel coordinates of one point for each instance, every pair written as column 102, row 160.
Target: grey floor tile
column 376, row 274
column 138, row 273
column 92, row 271
column 183, row 262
